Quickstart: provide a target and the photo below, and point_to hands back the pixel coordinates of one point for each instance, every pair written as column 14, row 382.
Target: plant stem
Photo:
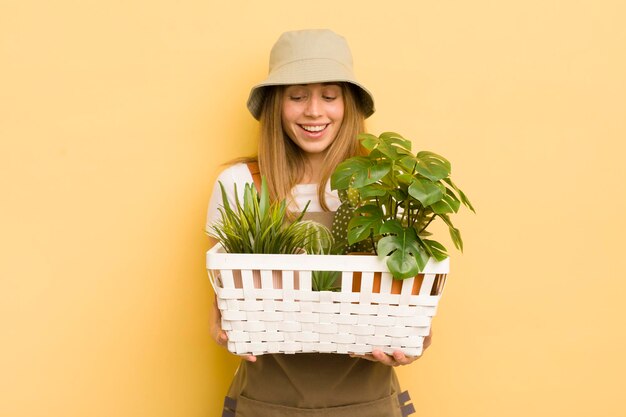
column 429, row 222
column 407, row 212
column 373, row 243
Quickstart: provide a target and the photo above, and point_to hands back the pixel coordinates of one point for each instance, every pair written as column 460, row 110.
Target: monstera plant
column 390, row 197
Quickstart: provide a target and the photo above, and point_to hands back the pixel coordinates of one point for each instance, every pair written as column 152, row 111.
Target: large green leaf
column 402, row 247
column 357, row 172
column 393, row 227
column 425, row 191
column 462, row 195
column 455, row 234
column 393, row 146
column 399, row 194
column 432, row 166
column 371, row 174
column 341, row 177
column 405, row 179
column 402, row 264
column 448, row 204
column 396, row 139
column 390, row 145
column 408, row 163
column 435, row 249
column 367, row 220
column 373, row 190
column 368, row 141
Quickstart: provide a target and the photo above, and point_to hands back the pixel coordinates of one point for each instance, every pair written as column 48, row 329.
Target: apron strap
column 253, row 167
column 407, row 409
column 230, row 406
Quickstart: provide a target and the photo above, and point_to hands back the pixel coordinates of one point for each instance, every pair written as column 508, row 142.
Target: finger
column 402, row 359
column 399, row 357
column 378, row 356
column 372, row 358
column 427, row 343
column 366, row 357
column 383, row 358
column 250, row 358
column 428, row 340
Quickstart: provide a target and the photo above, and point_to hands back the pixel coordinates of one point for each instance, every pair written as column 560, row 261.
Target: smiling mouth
column 313, row 129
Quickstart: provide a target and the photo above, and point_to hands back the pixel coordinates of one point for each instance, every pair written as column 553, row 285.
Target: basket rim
column 217, row 258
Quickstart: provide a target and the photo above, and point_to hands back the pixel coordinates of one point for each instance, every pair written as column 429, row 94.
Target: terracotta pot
column 277, row 279
column 396, row 284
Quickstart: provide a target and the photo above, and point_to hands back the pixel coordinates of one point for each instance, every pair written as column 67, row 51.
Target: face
column 312, row 115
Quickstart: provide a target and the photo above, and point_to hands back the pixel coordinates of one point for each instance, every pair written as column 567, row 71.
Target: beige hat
column 305, row 57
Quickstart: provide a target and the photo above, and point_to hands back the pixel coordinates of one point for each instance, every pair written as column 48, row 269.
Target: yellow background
column 116, row 115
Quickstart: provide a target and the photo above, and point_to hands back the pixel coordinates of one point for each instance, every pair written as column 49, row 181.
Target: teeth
column 314, row 128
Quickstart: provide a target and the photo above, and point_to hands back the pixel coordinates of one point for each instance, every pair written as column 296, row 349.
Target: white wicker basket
column 268, row 306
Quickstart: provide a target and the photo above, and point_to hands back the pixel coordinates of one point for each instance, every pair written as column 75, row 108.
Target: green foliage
column 260, row 226
column 325, row 280
column 392, row 196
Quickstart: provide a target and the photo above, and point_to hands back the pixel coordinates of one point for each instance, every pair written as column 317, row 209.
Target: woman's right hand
column 219, row 335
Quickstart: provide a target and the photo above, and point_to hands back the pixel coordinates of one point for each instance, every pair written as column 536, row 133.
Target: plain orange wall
column 115, row 117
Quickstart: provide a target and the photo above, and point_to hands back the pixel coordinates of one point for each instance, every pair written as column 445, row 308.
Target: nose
column 313, row 107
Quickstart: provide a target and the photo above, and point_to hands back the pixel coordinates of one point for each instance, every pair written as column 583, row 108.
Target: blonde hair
column 282, row 162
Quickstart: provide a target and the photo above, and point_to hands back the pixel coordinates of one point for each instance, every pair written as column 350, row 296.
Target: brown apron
column 315, row 384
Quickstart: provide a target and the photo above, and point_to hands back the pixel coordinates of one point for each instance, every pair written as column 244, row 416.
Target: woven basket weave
column 268, row 306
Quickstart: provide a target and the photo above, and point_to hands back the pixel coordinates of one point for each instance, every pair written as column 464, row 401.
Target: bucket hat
column 306, row 57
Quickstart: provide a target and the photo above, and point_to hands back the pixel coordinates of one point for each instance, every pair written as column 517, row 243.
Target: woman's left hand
column 398, row 358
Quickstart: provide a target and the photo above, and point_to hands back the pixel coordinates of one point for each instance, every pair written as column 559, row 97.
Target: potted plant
column 390, row 197
column 258, row 226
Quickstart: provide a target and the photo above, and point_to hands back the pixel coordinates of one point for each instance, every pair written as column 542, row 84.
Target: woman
column 310, row 109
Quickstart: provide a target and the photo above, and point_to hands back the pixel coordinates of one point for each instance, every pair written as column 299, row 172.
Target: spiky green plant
column 326, row 280
column 260, row 226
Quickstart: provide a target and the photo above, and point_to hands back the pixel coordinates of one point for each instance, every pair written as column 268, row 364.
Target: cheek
column 289, row 112
column 285, row 117
column 338, row 110
column 287, row 126
column 338, row 113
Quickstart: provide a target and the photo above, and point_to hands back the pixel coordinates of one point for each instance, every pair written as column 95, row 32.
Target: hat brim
column 308, row 71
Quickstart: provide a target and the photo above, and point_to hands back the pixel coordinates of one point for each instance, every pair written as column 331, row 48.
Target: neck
column 314, row 163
